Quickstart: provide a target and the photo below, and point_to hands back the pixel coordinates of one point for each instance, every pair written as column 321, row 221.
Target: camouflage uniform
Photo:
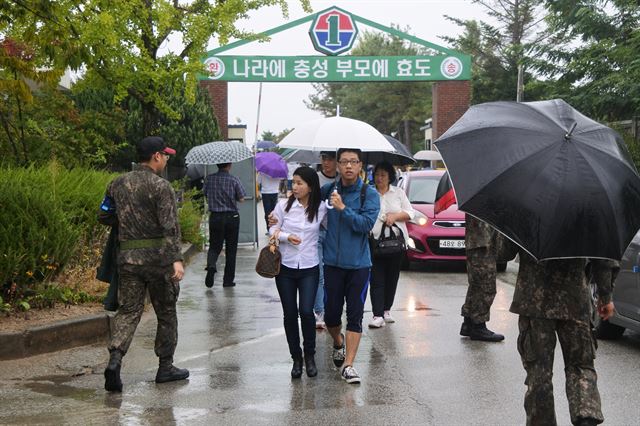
column 553, row 298
column 481, row 270
column 146, row 210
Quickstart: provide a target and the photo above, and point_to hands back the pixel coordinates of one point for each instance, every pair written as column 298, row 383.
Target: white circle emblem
column 215, row 68
column 451, row 67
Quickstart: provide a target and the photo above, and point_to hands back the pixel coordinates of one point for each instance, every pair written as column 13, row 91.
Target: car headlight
column 411, row 243
column 419, row 219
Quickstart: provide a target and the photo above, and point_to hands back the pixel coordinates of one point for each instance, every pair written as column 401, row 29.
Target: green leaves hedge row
column 44, row 213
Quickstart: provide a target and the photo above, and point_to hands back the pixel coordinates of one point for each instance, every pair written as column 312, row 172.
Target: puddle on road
column 61, row 390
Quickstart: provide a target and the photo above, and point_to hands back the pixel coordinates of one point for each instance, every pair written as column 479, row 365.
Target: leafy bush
column 190, row 217
column 44, row 212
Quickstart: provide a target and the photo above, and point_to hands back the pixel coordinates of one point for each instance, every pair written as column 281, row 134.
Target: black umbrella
column 401, row 157
column 555, row 182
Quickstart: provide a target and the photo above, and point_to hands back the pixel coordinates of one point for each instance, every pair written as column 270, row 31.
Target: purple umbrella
column 271, row 164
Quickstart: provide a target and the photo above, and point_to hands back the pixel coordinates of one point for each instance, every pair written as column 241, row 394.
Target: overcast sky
column 282, row 103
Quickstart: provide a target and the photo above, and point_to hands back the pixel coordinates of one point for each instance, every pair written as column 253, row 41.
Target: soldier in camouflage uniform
column 553, row 298
column 481, row 274
column 149, row 258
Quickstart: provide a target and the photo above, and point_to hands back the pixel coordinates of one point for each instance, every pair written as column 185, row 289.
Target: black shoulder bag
column 387, row 246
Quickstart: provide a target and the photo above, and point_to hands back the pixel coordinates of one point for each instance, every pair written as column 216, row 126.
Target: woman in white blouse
column 299, row 218
column 395, row 209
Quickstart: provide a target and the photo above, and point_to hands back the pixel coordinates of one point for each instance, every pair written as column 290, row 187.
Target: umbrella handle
column 329, row 206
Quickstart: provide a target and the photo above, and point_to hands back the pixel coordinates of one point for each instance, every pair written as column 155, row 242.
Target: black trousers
column 269, row 202
column 385, row 272
column 223, row 228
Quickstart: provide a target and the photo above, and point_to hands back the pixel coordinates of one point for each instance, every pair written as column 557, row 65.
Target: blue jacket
column 346, row 244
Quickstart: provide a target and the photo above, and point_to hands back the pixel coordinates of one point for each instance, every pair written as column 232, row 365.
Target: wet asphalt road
column 415, row 371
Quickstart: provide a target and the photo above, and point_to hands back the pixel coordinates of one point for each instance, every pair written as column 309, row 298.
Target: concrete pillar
column 219, row 93
column 450, row 100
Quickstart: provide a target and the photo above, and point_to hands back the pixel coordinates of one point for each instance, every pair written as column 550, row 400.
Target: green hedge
column 44, row 213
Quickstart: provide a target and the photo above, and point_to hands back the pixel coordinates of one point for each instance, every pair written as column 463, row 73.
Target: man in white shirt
column 269, row 188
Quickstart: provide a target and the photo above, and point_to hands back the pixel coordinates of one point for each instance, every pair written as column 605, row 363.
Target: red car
column 433, row 237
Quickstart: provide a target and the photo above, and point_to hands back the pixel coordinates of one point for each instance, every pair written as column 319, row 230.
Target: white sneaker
column 376, row 322
column 388, row 318
column 350, row 374
column 320, row 320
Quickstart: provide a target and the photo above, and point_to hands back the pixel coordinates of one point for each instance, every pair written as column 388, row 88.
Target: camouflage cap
column 152, row 144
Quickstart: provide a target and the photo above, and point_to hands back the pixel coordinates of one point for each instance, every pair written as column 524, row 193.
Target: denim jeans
column 318, row 307
column 290, row 283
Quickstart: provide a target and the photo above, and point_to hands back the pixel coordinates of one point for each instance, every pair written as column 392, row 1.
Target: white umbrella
column 427, row 155
column 333, row 133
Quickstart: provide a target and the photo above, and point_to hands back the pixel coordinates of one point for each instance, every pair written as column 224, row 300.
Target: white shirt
column 268, row 185
column 324, row 179
column 305, row 254
column 393, row 201
column 291, row 167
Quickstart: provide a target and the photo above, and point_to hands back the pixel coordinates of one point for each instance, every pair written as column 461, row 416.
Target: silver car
column 626, row 296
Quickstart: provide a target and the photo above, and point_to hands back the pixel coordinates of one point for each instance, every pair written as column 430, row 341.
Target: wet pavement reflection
column 415, row 371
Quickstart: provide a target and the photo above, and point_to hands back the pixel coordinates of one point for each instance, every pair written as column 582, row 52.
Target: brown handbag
column 268, row 264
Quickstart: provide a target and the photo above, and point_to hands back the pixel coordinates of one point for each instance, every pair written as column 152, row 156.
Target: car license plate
column 456, row 244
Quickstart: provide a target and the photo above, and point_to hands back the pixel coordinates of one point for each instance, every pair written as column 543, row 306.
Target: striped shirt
column 223, row 191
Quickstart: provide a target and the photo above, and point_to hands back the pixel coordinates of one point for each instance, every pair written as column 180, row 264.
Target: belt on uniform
column 223, row 213
column 142, row 244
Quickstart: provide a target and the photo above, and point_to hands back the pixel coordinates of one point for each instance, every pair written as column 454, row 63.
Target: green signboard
column 307, row 69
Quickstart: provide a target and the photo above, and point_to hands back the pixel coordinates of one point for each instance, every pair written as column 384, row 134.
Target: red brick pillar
column 450, row 100
column 218, row 92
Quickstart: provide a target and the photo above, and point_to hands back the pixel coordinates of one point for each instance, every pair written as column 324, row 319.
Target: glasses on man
column 347, row 162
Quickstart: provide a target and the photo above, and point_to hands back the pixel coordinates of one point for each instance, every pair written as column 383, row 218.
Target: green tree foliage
column 594, row 56
column 268, row 136
column 125, row 44
column 498, row 49
column 383, row 105
column 51, row 126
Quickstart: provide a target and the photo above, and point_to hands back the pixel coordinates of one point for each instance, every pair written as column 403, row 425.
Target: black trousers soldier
column 481, row 274
column 143, row 207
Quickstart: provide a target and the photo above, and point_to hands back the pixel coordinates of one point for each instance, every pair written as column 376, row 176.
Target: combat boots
column 167, row 372
column 465, row 330
column 479, row 331
column 112, row 382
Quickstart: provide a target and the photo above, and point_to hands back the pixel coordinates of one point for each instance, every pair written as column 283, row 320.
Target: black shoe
column 465, row 330
column 310, row 365
column 586, row 421
column 229, row 285
column 208, row 281
column 296, row 370
column 112, row 382
column 171, row 373
column 479, row 331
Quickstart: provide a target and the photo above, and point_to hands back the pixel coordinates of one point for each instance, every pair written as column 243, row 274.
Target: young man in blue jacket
column 347, row 259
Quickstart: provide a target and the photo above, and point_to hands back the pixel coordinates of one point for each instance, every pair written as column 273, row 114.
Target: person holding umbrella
column 564, row 189
column 271, row 169
column 223, row 192
column 553, row 298
column 346, row 256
